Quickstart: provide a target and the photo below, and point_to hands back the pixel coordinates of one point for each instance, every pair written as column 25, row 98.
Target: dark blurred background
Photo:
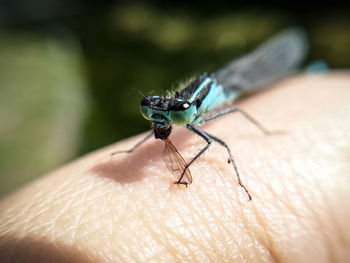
column 68, row 68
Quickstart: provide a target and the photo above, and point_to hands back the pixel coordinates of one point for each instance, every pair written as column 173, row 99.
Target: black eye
column 185, row 105
column 145, row 101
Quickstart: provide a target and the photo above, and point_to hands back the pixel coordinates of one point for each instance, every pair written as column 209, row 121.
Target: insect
column 197, row 102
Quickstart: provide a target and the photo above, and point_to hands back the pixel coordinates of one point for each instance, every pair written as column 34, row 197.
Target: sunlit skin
column 106, row 209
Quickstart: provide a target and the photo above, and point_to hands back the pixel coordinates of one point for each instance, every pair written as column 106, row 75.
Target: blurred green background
column 68, row 68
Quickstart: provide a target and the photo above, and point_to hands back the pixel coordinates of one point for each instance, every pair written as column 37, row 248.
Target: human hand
column 125, row 208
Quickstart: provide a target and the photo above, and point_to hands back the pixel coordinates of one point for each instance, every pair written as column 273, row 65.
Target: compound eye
column 183, row 114
column 186, row 105
column 146, row 112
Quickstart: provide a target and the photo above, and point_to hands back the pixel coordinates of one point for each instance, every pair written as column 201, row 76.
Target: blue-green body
column 186, row 109
column 191, row 106
column 272, row 61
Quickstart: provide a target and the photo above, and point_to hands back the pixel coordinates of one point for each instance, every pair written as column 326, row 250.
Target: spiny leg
column 205, row 137
column 208, row 138
column 136, row 145
column 245, row 114
column 222, row 143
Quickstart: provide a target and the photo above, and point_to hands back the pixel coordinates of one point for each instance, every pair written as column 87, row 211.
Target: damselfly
column 192, row 106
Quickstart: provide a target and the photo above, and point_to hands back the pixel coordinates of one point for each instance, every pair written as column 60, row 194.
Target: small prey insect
column 196, row 103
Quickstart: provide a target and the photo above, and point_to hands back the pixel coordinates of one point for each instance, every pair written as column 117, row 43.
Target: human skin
column 125, row 208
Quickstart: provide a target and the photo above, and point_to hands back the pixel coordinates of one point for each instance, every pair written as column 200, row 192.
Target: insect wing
column 276, row 58
column 175, row 163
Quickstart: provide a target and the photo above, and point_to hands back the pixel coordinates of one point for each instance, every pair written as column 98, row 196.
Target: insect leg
column 245, row 114
column 205, row 137
column 136, row 145
column 222, row 143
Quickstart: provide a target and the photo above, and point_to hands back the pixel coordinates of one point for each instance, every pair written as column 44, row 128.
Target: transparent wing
column 175, row 163
column 276, row 58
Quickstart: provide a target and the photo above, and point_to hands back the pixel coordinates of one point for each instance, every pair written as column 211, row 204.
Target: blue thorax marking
column 204, row 98
column 199, row 89
column 213, row 99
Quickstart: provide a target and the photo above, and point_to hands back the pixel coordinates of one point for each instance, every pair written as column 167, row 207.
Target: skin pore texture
column 125, row 208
